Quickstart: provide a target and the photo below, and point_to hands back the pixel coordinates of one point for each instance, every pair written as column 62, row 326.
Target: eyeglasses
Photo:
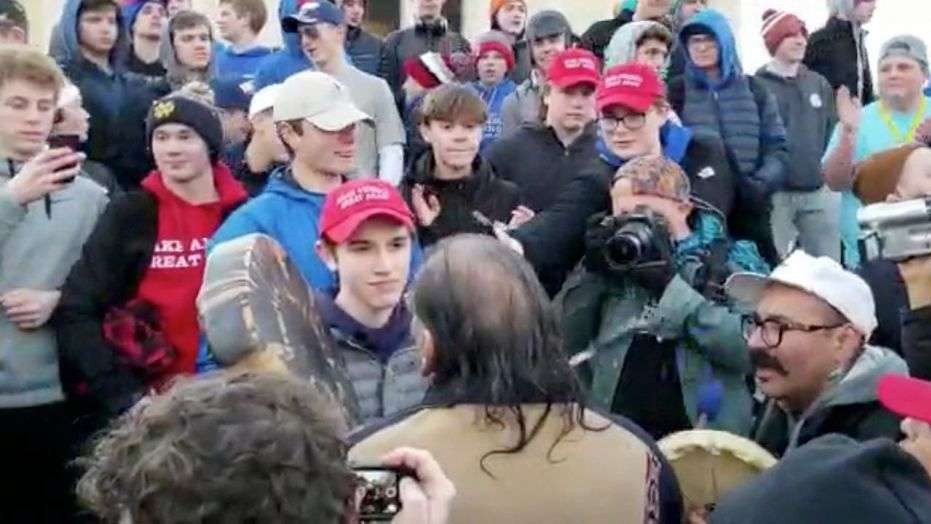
column 771, row 330
column 632, row 121
column 310, row 31
column 697, row 40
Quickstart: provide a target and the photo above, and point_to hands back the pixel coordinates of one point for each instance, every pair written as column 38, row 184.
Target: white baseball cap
column 319, row 98
column 821, row 277
column 263, row 99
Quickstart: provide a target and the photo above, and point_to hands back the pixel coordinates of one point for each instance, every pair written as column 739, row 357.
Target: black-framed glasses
column 309, row 31
column 772, row 330
column 632, row 121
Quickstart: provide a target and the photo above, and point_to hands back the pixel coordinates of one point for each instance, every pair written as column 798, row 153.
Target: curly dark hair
column 256, row 448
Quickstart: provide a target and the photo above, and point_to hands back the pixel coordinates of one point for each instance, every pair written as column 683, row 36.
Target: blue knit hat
column 131, row 10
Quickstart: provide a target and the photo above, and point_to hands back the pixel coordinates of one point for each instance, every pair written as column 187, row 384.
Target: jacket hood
column 858, row 386
column 711, row 21
column 292, row 42
column 177, row 74
column 383, row 341
column 281, row 182
column 675, row 140
column 623, row 46
column 64, row 46
column 228, row 188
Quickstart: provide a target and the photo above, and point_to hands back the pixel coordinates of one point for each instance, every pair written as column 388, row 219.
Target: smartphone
column 72, row 142
column 378, row 492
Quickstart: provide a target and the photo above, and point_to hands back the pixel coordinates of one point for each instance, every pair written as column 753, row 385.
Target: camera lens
column 629, row 244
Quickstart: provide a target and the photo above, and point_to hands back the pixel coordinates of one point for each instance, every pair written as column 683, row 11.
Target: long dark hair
column 496, row 337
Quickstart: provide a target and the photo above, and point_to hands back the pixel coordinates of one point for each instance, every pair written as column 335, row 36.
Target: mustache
column 761, row 359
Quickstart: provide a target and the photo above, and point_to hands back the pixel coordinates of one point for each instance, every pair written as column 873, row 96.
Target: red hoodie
column 176, row 271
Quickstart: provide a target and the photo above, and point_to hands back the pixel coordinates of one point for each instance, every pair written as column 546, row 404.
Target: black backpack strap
column 675, row 94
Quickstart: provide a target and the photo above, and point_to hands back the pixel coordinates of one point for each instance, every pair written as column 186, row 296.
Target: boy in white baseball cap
column 315, row 118
column 265, row 153
column 806, row 337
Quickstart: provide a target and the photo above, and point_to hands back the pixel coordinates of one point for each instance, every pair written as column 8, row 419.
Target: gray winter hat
column 907, row 46
column 547, row 23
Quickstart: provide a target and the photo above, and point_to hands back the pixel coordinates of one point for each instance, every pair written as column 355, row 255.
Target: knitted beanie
column 494, row 41
column 779, row 25
column 180, row 109
column 496, row 6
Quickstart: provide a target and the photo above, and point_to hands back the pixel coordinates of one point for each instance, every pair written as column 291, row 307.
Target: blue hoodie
column 754, row 133
column 63, row 46
column 494, row 99
column 240, row 66
column 291, row 216
column 278, row 66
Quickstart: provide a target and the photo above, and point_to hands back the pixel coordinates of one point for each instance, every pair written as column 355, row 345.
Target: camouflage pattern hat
column 656, row 175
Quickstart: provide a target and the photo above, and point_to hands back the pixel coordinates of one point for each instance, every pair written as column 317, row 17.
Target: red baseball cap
column 906, row 396
column 354, row 202
column 634, row 86
column 573, row 67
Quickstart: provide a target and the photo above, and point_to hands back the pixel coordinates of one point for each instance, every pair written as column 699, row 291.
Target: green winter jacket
column 601, row 316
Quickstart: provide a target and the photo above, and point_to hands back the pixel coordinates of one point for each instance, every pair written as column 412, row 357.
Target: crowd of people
column 509, row 268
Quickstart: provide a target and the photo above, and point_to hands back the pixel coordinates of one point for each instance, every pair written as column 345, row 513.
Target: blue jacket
column 278, row 66
column 242, row 66
column 494, row 98
column 291, row 216
column 728, row 107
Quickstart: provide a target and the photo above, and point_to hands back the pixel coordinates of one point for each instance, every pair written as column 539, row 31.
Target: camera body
column 895, row 231
column 631, row 239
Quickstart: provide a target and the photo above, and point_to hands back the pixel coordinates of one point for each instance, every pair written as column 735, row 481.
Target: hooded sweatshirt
column 150, row 72
column 837, row 51
column 728, row 107
column 36, row 252
column 178, row 75
column 849, row 406
column 176, row 270
column 106, row 95
column 241, row 66
column 623, row 45
column 278, row 66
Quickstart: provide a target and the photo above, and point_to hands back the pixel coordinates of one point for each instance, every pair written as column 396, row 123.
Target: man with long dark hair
column 504, row 414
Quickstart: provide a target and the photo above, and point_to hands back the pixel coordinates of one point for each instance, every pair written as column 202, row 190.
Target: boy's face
column 792, row 49
column 332, row 152
column 690, row 7
column 322, row 43
column 373, row 264
column 512, row 17
column 353, row 11
column 572, row 108
column 264, row 133
column 181, row 155
column 150, row 20
column 545, row 49
column 429, row 9
column 455, row 144
column 491, row 68
column 27, row 111
column 230, row 25
column 236, row 126
column 10, row 33
column 193, row 47
column 97, row 30
column 653, row 53
column 703, row 50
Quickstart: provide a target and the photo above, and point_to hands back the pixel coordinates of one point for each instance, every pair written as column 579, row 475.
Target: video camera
column 620, row 244
column 895, row 231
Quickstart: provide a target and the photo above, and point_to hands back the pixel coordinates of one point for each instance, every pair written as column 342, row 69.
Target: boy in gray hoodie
column 46, row 213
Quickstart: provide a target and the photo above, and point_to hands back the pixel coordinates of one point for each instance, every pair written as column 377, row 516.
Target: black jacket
column 916, row 341
column 891, row 299
column 482, row 191
column 364, row 49
column 536, row 161
column 112, row 264
column 414, row 41
column 832, row 52
column 597, row 37
column 554, row 241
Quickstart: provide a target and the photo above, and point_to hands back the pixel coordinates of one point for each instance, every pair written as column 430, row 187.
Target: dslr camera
column 895, row 231
column 632, row 240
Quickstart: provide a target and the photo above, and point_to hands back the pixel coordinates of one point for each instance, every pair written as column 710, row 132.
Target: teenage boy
column 510, row 18
column 366, row 240
column 494, row 60
column 264, row 152
column 381, row 139
column 14, row 26
column 450, row 187
column 644, row 42
column 45, row 216
column 187, row 50
column 549, row 34
column 806, row 213
column 837, row 51
column 316, row 121
column 147, row 254
column 364, row 48
column 145, row 20
column 430, row 33
column 542, row 159
column 232, row 101
column 239, row 23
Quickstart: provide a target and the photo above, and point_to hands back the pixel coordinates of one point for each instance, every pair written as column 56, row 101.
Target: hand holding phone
column 46, row 172
column 72, row 142
column 378, row 492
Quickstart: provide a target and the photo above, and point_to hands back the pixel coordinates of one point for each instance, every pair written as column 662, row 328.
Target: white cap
column 319, row 98
column 821, row 277
column 264, row 99
column 69, row 93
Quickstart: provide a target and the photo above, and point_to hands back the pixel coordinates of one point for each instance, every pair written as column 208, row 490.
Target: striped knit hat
column 779, row 25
